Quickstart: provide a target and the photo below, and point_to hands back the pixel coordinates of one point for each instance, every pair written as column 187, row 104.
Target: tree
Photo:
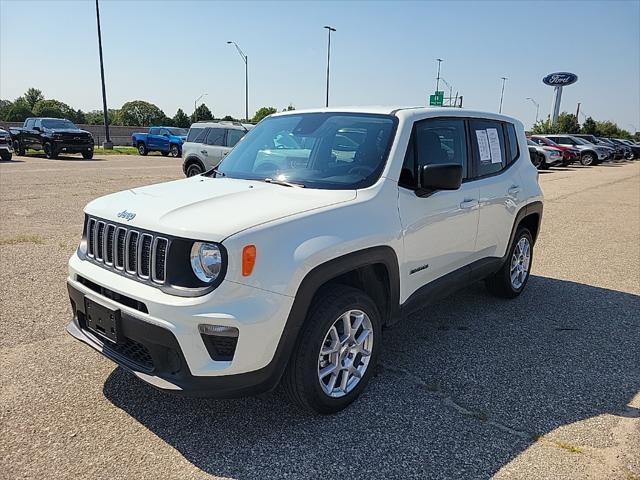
column 589, row 126
column 5, row 106
column 19, row 111
column 542, row 127
column 96, row 117
column 262, row 113
column 202, row 113
column 140, row 114
column 33, row 96
column 607, row 129
column 180, row 119
column 55, row 109
column 567, row 123
column 80, row 117
column 228, row 118
column 289, row 108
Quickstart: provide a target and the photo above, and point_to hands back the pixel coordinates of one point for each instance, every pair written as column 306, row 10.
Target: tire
column 18, row 148
column 302, row 380
column 588, row 159
column 142, row 149
column 537, row 161
column 194, row 169
column 6, row 156
column 50, row 151
column 87, row 155
column 501, row 283
column 174, row 151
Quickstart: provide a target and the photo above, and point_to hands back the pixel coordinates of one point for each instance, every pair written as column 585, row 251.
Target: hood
column 67, row 130
column 206, row 208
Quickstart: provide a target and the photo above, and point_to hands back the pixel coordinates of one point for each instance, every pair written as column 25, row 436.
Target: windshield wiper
column 217, row 172
column 283, row 183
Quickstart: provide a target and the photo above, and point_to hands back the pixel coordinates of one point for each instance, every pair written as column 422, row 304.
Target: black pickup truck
column 53, row 136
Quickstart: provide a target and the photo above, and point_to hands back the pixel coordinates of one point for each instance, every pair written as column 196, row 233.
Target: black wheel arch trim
column 189, row 160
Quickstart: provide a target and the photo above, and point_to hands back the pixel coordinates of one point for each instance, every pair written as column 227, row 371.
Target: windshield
column 580, row 141
column 178, row 132
column 316, row 150
column 57, row 123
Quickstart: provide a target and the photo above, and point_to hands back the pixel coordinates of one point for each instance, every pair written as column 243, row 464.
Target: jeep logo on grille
column 128, row 216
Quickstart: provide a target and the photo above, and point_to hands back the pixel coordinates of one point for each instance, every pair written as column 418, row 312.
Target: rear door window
column 488, row 146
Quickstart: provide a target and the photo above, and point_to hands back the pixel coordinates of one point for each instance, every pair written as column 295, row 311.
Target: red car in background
column 569, row 155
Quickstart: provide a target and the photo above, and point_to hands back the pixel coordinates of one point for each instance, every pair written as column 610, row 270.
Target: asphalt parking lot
column 544, row 386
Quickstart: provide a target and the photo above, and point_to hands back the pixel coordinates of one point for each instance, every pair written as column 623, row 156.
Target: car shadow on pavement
column 464, row 386
column 64, row 158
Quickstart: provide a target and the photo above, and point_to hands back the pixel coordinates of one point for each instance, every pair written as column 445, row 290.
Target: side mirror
column 446, row 176
column 165, row 135
column 37, row 129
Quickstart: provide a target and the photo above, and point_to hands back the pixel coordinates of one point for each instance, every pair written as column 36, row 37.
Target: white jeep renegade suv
column 285, row 262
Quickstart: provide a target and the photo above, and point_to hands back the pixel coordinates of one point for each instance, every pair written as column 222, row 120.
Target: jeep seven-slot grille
column 137, row 253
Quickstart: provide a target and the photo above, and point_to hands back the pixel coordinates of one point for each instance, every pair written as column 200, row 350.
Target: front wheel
column 194, row 169
column 588, row 159
column 5, row 156
column 337, row 351
column 537, row 160
column 142, row 149
column 87, row 155
column 18, row 148
column 510, row 280
column 50, row 150
column 174, row 151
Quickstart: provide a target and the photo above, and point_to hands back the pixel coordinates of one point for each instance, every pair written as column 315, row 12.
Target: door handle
column 204, row 152
column 514, row 190
column 225, row 154
column 469, row 203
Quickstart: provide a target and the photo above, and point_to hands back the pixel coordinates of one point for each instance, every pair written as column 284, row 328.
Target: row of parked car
column 565, row 149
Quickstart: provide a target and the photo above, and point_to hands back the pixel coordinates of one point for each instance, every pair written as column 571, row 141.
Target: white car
column 208, row 143
column 6, row 145
column 545, row 156
column 287, row 269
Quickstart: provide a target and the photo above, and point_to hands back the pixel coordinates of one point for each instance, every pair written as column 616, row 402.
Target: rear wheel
column 174, row 151
column 336, row 352
column 194, row 169
column 588, row 159
column 510, row 280
column 5, row 155
column 50, row 150
column 142, row 149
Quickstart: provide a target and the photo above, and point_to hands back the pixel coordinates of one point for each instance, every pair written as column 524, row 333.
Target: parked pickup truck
column 53, row 136
column 166, row 140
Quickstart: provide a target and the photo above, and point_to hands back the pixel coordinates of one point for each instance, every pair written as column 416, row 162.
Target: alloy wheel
column 520, row 262
column 345, row 353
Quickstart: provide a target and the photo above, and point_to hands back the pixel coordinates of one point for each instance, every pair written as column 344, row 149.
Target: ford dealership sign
column 560, row 79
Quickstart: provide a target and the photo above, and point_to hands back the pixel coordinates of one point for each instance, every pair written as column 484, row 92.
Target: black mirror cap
column 446, row 176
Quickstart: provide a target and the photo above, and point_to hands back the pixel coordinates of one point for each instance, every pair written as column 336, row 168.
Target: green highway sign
column 436, row 100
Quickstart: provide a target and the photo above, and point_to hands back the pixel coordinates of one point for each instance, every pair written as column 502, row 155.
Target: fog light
column 218, row 330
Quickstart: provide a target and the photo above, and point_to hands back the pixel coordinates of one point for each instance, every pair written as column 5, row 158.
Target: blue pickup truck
column 166, row 140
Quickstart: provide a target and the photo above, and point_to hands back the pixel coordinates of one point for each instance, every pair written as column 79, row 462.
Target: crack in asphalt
column 449, row 401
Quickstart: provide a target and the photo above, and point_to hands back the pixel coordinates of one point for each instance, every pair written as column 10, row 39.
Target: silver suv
column 208, row 143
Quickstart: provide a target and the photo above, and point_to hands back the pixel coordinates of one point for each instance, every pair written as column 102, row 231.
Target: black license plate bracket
column 102, row 320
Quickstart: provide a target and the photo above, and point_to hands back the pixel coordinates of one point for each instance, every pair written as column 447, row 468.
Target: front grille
column 134, row 351
column 140, row 254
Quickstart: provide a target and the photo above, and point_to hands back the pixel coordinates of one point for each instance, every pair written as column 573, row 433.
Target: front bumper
column 164, row 346
column 72, row 147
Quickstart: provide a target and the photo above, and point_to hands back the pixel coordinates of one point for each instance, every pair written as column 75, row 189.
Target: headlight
column 206, row 261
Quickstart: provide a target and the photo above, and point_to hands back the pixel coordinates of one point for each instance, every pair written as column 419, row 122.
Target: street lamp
column 504, row 79
column 537, row 106
column 439, row 60
column 195, row 108
column 107, row 144
column 329, row 29
column 246, row 79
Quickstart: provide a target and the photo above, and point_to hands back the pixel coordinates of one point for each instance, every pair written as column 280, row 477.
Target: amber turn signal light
column 248, row 259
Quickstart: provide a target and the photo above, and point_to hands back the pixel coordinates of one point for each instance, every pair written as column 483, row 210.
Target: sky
column 383, row 53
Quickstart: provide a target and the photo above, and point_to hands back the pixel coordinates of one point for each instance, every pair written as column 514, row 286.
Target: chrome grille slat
column 139, row 254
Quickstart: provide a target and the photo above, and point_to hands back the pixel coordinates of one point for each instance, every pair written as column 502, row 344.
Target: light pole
column 537, row 106
column 195, row 107
column 504, row 79
column 246, row 79
column 329, row 29
column 439, row 60
column 107, row 144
